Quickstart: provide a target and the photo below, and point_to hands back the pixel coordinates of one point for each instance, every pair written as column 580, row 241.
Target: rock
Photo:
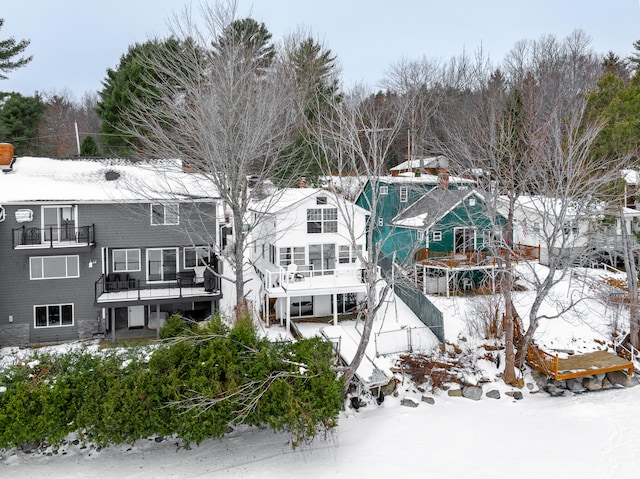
column 472, row 392
column 575, row 385
column 455, row 392
column 530, row 386
column 29, row 446
column 632, row 381
column 540, row 379
column 554, row 390
column 606, row 384
column 159, row 439
column 428, row 400
column 408, row 402
column 591, row 383
column 617, row 378
column 493, row 394
column 517, row 395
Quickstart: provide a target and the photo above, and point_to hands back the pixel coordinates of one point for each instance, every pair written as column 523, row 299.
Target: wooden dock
column 576, row 366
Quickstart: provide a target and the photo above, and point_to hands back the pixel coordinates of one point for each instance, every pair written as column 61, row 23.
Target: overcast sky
column 74, row 42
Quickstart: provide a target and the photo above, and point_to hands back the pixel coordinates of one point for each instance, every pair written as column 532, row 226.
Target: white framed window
column 54, row 267
column 58, row 223
column 162, row 264
column 384, row 190
column 404, row 194
column 437, row 236
column 165, row 214
column 348, row 254
column 193, row 256
column 381, row 221
column 52, row 315
column 295, row 255
column 322, row 220
column 420, row 235
column 472, row 201
column 126, row 260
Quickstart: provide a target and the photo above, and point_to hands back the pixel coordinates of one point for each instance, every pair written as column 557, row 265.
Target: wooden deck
column 579, row 365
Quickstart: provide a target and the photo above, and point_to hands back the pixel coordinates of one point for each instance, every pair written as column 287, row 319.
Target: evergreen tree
column 612, row 63
column 20, row 117
column 634, row 58
column 250, row 38
column 134, row 78
column 314, row 72
column 89, row 147
column 9, row 49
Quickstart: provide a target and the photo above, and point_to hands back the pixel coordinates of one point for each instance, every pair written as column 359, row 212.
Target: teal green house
column 386, row 197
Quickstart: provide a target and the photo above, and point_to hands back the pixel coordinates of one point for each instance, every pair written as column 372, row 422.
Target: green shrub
column 195, row 387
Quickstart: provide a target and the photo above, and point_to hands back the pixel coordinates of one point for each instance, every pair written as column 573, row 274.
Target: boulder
column 575, row 385
column 428, row 400
column 493, row 394
column 408, row 402
column 515, row 395
column 591, row 383
column 632, row 381
column 617, row 378
column 472, row 392
column 455, row 392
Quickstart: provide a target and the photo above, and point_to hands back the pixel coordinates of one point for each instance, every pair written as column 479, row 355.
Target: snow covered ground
column 593, row 435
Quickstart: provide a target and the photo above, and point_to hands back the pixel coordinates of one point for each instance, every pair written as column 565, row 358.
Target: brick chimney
column 6, row 156
column 443, row 178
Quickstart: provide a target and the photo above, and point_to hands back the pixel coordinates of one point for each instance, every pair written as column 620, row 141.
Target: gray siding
column 116, row 226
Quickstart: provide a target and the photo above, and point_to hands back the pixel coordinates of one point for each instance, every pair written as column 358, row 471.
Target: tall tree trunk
column 509, row 375
column 632, row 281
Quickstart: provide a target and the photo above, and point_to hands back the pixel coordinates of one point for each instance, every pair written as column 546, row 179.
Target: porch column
column 266, row 310
column 157, row 321
column 113, row 324
column 288, row 310
column 424, row 280
column 334, row 298
column 447, row 276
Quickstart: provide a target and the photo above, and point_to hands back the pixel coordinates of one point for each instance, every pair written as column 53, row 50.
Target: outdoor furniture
column 186, row 278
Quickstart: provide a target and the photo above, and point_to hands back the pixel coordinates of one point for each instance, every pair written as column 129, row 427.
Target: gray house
column 93, row 247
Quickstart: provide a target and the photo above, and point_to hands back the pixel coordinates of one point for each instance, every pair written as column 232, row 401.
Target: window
column 420, row 235
column 295, row 255
column 53, row 315
column 322, row 258
column 322, row 220
column 380, row 221
column 384, row 190
column 58, row 223
column 437, row 236
column 196, row 256
column 168, row 214
column 472, row 201
column 404, row 194
column 126, row 260
column 54, row 267
column 321, row 200
column 162, row 264
column 348, row 254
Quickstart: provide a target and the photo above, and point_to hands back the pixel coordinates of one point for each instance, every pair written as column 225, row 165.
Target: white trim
column 127, row 269
column 47, row 306
column 42, row 267
column 163, row 280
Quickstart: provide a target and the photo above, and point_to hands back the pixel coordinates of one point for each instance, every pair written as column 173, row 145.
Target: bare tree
column 358, row 134
column 227, row 113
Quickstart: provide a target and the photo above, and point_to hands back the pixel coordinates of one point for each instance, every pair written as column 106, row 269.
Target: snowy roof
column 431, row 207
column 288, row 198
column 428, row 162
column 422, row 179
column 100, row 180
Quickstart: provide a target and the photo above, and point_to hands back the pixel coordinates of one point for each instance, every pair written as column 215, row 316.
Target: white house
column 584, row 235
column 307, row 246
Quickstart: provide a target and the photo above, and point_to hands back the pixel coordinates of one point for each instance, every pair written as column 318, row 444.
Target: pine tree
column 20, row 117
column 89, row 147
column 9, row 49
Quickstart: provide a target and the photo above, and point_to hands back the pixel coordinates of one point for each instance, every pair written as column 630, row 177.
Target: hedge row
column 194, row 386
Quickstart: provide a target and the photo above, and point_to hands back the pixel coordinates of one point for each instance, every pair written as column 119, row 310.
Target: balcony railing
column 53, row 237
column 307, row 277
column 475, row 258
column 115, row 288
